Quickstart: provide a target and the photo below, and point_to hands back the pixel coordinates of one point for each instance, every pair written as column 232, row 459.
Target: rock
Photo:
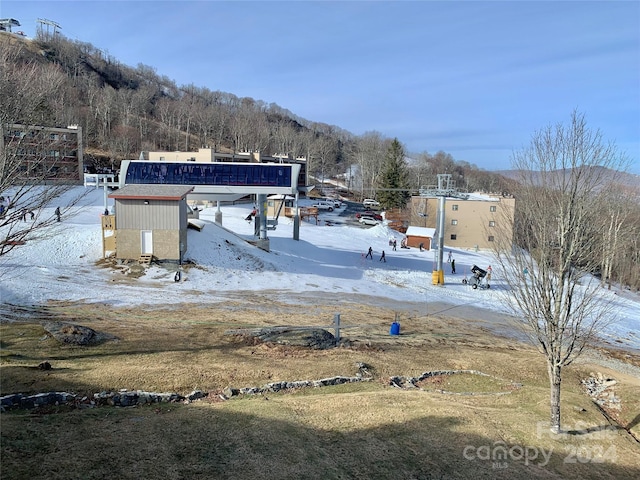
column 195, row 395
column 72, row 334
column 44, row 366
column 316, row 338
column 230, row 392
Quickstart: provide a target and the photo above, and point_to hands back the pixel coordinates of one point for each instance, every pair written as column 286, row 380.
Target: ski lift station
column 151, row 214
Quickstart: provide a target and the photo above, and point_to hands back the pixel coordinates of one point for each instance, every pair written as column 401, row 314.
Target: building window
column 454, row 222
column 492, row 223
column 491, row 238
column 454, row 236
column 454, row 207
column 492, row 208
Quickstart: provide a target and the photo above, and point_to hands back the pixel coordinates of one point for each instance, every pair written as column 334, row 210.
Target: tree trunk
column 555, row 380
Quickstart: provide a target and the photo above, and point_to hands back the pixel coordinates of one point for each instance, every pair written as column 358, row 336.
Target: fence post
column 336, row 325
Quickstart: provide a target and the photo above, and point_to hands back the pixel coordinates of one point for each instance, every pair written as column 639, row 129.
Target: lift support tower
column 445, row 188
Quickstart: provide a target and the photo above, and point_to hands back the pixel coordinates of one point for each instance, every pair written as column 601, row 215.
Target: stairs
column 145, row 259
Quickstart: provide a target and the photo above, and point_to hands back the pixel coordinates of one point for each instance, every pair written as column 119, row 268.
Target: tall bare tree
column 564, row 174
column 368, row 154
column 26, row 91
column 617, row 227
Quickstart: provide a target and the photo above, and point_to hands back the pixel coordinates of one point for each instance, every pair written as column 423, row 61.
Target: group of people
column 24, row 212
column 5, row 205
column 383, row 257
column 450, row 259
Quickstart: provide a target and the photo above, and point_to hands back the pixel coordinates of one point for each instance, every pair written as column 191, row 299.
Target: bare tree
column 618, row 225
column 368, row 155
column 564, row 174
column 28, row 195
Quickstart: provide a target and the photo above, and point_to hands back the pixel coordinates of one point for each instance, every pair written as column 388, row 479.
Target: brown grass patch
column 365, row 430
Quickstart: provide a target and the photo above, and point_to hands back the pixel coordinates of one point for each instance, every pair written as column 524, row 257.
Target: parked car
column 370, row 203
column 324, row 205
column 368, row 220
column 336, row 203
column 369, row 213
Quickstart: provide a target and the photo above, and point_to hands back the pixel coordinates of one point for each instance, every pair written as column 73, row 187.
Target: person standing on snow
column 58, row 214
column 453, row 265
column 383, row 258
column 370, row 253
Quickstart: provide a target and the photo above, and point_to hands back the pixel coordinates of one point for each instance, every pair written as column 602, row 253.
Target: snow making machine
column 478, row 275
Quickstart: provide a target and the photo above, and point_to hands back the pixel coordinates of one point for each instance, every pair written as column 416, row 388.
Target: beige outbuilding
column 151, row 221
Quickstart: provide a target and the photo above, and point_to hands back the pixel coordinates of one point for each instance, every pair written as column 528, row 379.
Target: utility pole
column 445, row 188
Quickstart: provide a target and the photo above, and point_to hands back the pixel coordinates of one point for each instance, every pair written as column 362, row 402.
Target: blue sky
column 475, row 79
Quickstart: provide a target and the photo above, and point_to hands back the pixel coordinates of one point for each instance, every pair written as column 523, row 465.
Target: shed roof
column 421, row 232
column 157, row 192
column 280, row 197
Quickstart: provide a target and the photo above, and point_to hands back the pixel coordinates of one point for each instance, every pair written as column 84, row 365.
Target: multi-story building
column 49, row 154
column 475, row 223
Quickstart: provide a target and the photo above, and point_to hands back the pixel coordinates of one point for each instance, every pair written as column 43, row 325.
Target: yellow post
column 437, row 277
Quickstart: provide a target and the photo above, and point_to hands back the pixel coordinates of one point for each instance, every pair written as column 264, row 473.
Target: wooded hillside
column 123, row 110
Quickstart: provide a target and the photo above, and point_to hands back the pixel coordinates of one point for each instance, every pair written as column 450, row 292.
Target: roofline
column 131, row 196
column 146, row 197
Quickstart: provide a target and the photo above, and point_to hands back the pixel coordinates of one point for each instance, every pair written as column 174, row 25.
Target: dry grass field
column 365, row 430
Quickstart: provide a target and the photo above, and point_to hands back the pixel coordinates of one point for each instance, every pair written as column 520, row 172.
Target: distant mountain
column 624, row 179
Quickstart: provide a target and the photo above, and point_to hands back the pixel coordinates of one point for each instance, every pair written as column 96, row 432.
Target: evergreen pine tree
column 394, row 178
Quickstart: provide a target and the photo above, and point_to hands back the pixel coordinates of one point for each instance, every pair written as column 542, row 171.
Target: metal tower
column 48, row 23
column 445, row 188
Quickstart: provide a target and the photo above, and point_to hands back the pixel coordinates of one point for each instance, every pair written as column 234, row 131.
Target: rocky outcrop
column 601, row 390
column 71, row 334
column 309, row 337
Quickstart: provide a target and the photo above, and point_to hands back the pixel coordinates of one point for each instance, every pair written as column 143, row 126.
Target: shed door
column 146, row 239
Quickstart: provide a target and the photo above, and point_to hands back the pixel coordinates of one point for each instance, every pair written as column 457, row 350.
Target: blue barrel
column 395, row 329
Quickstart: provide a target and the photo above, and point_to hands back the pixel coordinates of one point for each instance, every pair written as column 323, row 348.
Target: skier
column 370, row 253
column 383, row 258
column 453, row 265
column 251, row 215
column 449, row 257
column 395, row 243
column 58, row 214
